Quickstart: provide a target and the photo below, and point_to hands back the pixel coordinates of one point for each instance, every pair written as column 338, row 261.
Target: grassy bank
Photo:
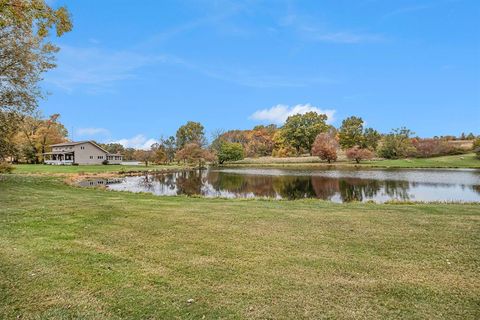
column 50, row 169
column 69, row 252
column 457, row 161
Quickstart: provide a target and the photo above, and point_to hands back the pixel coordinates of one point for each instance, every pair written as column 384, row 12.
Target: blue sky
column 132, row 71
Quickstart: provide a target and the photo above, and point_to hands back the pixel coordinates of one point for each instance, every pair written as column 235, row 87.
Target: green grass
column 73, row 253
column 456, row 161
column 49, row 169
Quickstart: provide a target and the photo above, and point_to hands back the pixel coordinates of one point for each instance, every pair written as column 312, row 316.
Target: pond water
column 378, row 185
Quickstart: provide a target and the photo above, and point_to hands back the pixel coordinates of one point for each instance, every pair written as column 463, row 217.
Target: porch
column 59, row 158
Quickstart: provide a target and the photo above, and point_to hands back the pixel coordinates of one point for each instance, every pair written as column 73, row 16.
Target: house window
column 83, row 148
column 91, row 157
column 100, row 157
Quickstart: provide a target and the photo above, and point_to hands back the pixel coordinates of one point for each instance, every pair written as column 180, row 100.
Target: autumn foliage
column 359, row 154
column 325, row 147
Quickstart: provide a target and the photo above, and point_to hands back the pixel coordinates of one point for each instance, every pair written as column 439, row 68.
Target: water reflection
column 333, row 185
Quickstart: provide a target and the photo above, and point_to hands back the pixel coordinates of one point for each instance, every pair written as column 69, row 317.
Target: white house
column 81, row 152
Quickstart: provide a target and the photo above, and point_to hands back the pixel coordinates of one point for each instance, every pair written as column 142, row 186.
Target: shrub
column 359, row 154
column 105, row 162
column 397, row 144
column 230, row 152
column 476, row 147
column 6, row 167
column 325, row 147
column 431, row 147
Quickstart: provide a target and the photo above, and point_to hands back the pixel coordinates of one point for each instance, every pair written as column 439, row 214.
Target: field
column 457, row 161
column 68, row 252
column 50, row 169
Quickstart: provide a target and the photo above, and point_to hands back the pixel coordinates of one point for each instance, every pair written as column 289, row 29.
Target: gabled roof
column 71, row 143
column 74, row 143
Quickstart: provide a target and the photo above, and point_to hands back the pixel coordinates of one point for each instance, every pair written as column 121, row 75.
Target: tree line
column 26, row 52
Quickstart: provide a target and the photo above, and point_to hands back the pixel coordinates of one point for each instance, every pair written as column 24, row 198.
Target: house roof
column 71, row 143
column 74, row 143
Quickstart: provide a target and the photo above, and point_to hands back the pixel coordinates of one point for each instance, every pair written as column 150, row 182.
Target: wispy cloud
column 405, row 10
column 312, row 31
column 278, row 114
column 138, row 142
column 91, row 67
column 346, row 37
column 97, row 71
column 92, row 131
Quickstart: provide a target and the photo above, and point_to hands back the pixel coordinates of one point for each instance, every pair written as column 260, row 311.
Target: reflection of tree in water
column 189, row 182
column 397, row 189
column 476, row 188
column 294, row 187
column 166, row 180
column 260, row 186
column 325, row 187
column 146, row 182
column 354, row 189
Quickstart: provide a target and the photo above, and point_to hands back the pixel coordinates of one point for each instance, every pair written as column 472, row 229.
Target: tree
column 36, row 134
column 300, row 130
column 371, row 137
column 397, row 144
column 191, row 132
column 281, row 148
column 470, row 136
column 359, row 154
column 476, row 147
column 145, row 156
column 129, row 154
column 230, row 152
column 325, row 147
column 170, row 148
column 8, row 132
column 159, row 154
column 25, row 52
column 113, row 147
column 351, row 132
column 194, row 154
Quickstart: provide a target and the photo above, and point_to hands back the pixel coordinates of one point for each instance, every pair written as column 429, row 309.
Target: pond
column 377, row 185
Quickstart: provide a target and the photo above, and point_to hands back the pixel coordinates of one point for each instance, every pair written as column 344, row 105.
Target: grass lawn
column 457, row 161
column 49, row 169
column 68, row 252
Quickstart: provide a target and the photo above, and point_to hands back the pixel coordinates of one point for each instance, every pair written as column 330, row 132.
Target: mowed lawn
column 49, row 169
column 73, row 253
column 469, row 160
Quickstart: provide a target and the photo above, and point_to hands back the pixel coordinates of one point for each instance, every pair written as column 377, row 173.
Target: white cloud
column 96, row 69
column 278, row 114
column 138, row 142
column 91, row 131
column 346, row 37
column 310, row 30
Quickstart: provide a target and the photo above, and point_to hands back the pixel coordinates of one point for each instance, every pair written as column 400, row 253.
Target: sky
column 134, row 71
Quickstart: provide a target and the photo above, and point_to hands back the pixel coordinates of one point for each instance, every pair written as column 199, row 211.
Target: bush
column 476, row 147
column 396, row 144
column 230, row 152
column 425, row 148
column 105, row 162
column 359, row 154
column 325, row 147
column 6, row 167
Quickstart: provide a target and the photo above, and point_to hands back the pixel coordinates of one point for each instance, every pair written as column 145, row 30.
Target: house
column 80, row 152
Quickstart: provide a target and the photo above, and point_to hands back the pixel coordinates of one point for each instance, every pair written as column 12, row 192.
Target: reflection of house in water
column 98, row 182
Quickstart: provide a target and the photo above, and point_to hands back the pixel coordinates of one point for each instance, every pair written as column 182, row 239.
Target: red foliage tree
column 325, row 147
column 359, row 154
